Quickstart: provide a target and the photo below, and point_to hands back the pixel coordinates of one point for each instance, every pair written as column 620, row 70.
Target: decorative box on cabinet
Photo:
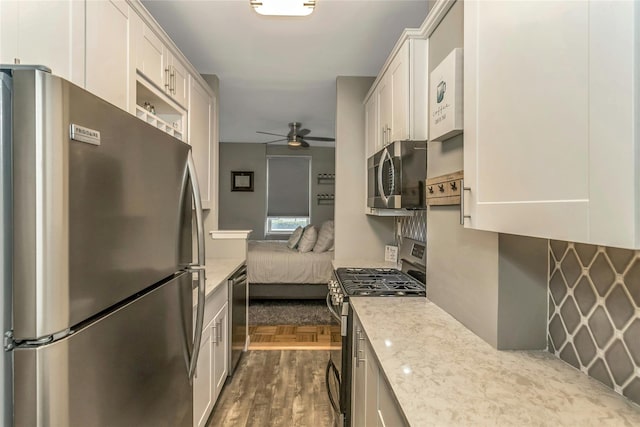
column 552, row 151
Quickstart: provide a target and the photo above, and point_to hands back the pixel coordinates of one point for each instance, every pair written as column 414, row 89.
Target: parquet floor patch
column 290, row 337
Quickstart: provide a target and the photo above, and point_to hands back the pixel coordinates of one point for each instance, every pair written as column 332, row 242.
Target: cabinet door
column 543, row 145
column 359, row 379
column 399, row 79
column 526, row 120
column 49, row 33
column 201, row 138
column 150, row 56
column 220, row 351
column 389, row 415
column 107, row 60
column 371, row 392
column 179, row 81
column 371, row 125
column 203, row 382
column 384, row 111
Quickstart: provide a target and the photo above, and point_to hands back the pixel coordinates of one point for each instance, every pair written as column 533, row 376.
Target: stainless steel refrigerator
column 97, row 265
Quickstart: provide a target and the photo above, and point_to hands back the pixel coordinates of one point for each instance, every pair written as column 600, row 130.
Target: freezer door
column 129, row 368
column 97, row 219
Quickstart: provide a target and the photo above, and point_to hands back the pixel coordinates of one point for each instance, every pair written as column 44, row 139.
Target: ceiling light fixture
column 293, row 141
column 283, row 7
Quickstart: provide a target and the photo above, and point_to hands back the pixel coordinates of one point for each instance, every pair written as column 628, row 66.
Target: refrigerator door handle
column 199, row 268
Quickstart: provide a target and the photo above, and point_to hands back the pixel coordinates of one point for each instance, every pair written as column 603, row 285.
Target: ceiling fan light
column 283, row 7
column 294, row 143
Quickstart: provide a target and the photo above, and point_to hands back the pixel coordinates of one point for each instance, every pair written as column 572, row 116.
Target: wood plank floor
column 289, row 337
column 276, row 389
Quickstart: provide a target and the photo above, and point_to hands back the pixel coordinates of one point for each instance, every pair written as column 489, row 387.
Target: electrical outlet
column 391, row 253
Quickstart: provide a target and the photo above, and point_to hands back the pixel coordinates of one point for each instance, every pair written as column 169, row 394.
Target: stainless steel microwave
column 396, row 176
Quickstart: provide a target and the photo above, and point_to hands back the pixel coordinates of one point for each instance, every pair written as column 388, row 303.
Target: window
column 288, row 193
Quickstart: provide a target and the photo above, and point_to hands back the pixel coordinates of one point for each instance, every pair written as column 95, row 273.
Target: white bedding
column 271, row 261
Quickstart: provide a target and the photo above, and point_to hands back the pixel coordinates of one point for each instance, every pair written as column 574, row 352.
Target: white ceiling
column 275, row 70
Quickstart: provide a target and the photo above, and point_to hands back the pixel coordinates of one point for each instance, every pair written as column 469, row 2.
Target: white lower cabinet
column 220, row 346
column 213, row 360
column 203, row 382
column 372, row 401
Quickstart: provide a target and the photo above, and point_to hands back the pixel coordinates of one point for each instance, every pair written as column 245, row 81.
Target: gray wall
column 356, row 235
column 494, row 284
column 247, row 210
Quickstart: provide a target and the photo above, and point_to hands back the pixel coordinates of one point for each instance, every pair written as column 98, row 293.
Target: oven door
column 338, row 371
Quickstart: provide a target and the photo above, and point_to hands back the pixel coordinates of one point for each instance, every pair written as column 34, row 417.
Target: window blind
column 288, row 186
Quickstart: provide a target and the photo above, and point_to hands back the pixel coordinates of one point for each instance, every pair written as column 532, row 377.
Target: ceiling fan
column 296, row 137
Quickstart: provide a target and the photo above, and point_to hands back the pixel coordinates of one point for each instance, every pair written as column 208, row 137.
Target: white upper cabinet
column 178, row 83
column 201, row 138
column 155, row 61
column 150, row 54
column 400, row 97
column 398, row 73
column 371, row 126
column 49, row 33
column 107, row 42
column 551, row 120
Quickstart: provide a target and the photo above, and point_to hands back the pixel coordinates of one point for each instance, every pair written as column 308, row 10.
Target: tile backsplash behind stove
column 413, row 227
column 594, row 312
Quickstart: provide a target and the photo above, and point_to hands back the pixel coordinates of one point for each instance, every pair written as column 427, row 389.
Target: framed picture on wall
column 241, row 181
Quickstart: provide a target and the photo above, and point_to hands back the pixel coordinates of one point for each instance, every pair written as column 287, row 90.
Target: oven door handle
column 333, row 312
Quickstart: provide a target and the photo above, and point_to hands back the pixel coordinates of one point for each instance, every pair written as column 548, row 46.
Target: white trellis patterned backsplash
column 594, row 312
column 415, row 226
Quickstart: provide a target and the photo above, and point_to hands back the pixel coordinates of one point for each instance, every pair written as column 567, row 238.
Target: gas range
column 378, row 282
column 353, row 282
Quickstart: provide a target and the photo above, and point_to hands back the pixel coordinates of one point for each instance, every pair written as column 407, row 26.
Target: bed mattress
column 271, row 261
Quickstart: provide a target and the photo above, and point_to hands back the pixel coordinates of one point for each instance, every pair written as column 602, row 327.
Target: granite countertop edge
column 217, row 271
column 443, row 374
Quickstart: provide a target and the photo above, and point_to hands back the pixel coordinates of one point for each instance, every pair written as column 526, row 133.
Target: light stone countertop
column 444, row 375
column 217, row 271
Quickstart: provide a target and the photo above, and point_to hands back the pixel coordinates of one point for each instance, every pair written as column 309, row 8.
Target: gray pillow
column 295, row 238
column 325, row 237
column 308, row 240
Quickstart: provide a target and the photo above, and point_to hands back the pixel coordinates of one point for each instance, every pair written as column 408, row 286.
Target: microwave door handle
column 385, row 199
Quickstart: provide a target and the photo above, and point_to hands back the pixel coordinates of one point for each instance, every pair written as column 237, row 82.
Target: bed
column 276, row 272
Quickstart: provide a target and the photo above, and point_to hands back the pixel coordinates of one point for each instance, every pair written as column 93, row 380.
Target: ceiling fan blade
column 276, row 140
column 303, row 132
column 318, row 138
column 304, row 143
column 269, row 133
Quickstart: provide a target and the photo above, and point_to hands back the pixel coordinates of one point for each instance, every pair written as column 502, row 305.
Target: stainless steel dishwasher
column 238, row 316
